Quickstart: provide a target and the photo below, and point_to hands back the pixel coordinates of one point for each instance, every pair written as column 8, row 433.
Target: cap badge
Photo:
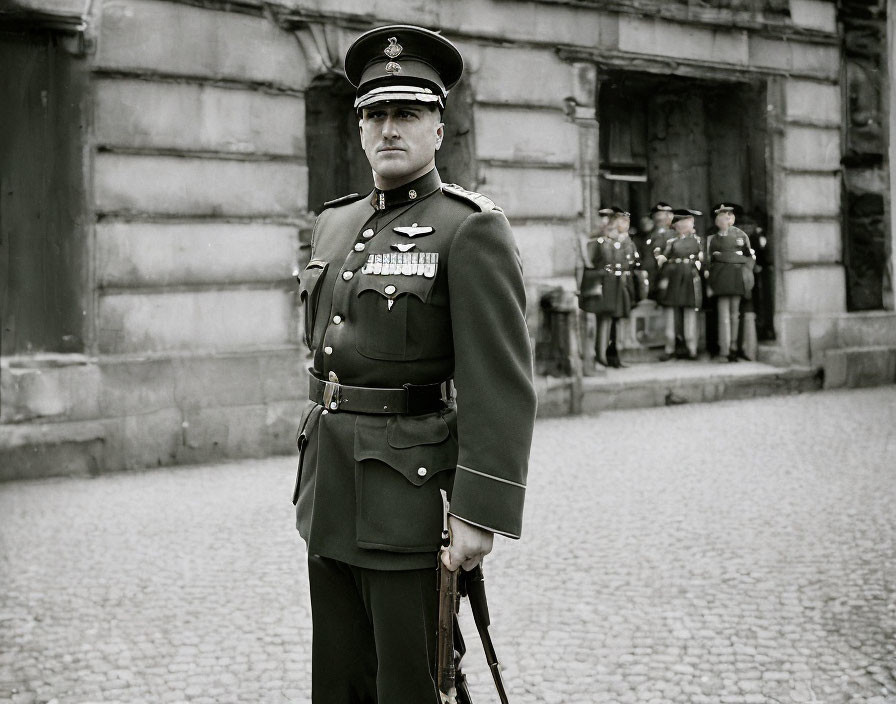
column 393, row 67
column 394, row 49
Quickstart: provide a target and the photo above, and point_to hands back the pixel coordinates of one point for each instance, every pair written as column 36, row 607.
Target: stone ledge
column 671, row 383
column 51, row 449
column 852, row 367
column 867, row 329
column 157, row 438
column 110, row 387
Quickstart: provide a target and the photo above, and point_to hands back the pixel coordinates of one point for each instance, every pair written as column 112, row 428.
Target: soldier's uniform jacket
column 616, row 260
column 416, row 285
column 730, row 263
column 679, row 279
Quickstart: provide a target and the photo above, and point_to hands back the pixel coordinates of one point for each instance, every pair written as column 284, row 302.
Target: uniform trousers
column 374, row 639
column 729, row 322
column 689, row 328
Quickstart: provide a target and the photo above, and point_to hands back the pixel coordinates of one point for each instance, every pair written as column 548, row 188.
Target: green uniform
column 418, row 285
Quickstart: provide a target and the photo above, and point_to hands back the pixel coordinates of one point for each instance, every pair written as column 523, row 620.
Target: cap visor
column 397, row 94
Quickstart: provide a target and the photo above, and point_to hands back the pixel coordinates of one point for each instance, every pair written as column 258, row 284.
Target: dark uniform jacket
column 730, row 263
column 613, row 262
column 655, row 244
column 679, row 279
column 416, row 285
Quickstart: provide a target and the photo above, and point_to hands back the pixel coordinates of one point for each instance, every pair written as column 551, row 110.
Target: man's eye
column 407, row 115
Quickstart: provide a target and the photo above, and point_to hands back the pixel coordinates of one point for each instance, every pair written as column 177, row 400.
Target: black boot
column 613, row 357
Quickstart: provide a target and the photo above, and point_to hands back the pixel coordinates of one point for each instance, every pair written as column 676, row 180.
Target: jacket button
column 367, row 234
column 337, row 319
column 422, row 471
column 347, row 275
column 333, row 405
column 328, row 350
column 359, row 247
column 389, row 290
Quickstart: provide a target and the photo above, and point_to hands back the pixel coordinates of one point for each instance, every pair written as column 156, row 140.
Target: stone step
column 649, row 384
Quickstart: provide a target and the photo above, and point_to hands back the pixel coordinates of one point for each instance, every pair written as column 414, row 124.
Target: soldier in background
column 614, row 258
column 655, row 244
column 590, row 285
column 679, row 287
column 730, row 263
column 411, row 290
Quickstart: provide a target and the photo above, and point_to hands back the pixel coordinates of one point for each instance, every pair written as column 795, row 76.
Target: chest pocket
column 309, row 294
column 398, row 319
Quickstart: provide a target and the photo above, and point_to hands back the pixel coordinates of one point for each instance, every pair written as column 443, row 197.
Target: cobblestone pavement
column 720, row 553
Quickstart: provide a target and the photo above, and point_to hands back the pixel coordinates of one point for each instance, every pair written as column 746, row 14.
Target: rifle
column 453, row 585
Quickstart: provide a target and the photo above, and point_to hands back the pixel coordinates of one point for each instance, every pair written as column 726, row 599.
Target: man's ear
column 440, row 134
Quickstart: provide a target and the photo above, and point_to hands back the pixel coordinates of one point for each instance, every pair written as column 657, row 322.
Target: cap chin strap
column 383, row 94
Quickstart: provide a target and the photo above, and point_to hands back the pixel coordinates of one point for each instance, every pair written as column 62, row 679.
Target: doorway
column 691, row 143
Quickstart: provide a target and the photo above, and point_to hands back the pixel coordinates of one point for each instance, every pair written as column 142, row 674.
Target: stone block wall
column 198, row 183
column 198, row 187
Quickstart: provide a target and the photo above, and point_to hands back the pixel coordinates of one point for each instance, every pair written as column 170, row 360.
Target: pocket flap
column 393, row 286
column 433, row 450
column 408, row 431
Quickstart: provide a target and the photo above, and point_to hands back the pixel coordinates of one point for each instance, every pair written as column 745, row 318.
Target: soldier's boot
column 613, row 356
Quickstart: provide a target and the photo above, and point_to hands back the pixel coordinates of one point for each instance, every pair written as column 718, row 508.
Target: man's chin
column 392, row 168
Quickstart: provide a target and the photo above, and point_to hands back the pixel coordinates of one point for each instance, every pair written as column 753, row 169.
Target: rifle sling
column 479, row 607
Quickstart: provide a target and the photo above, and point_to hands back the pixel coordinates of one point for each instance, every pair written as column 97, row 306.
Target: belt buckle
column 331, row 395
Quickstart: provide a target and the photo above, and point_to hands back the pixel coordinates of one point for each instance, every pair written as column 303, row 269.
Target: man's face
column 623, row 224
column 400, row 141
column 724, row 220
column 683, row 226
column 662, row 218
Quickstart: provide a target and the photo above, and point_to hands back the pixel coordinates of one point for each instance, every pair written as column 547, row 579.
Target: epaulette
column 483, row 203
column 344, row 200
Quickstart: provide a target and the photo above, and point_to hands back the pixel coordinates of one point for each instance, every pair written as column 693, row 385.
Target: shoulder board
column 344, row 200
column 481, row 202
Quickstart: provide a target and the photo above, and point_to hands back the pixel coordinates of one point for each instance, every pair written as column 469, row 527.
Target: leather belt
column 410, row 399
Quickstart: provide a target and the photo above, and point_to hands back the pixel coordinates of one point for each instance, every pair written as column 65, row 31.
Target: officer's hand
column 469, row 544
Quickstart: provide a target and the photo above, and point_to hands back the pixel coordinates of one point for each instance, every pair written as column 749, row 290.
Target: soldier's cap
column 606, row 212
column 661, row 207
column 682, row 213
column 620, row 212
column 402, row 63
column 726, row 208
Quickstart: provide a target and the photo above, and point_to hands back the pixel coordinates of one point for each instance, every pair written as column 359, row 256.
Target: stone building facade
column 162, row 161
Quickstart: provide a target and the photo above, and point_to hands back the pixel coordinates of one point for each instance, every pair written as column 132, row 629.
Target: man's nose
column 390, row 127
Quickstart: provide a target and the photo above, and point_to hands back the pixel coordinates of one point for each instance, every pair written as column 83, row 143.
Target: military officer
column 655, row 245
column 730, row 264
column 420, row 390
column 679, row 289
column 615, row 257
column 590, row 288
